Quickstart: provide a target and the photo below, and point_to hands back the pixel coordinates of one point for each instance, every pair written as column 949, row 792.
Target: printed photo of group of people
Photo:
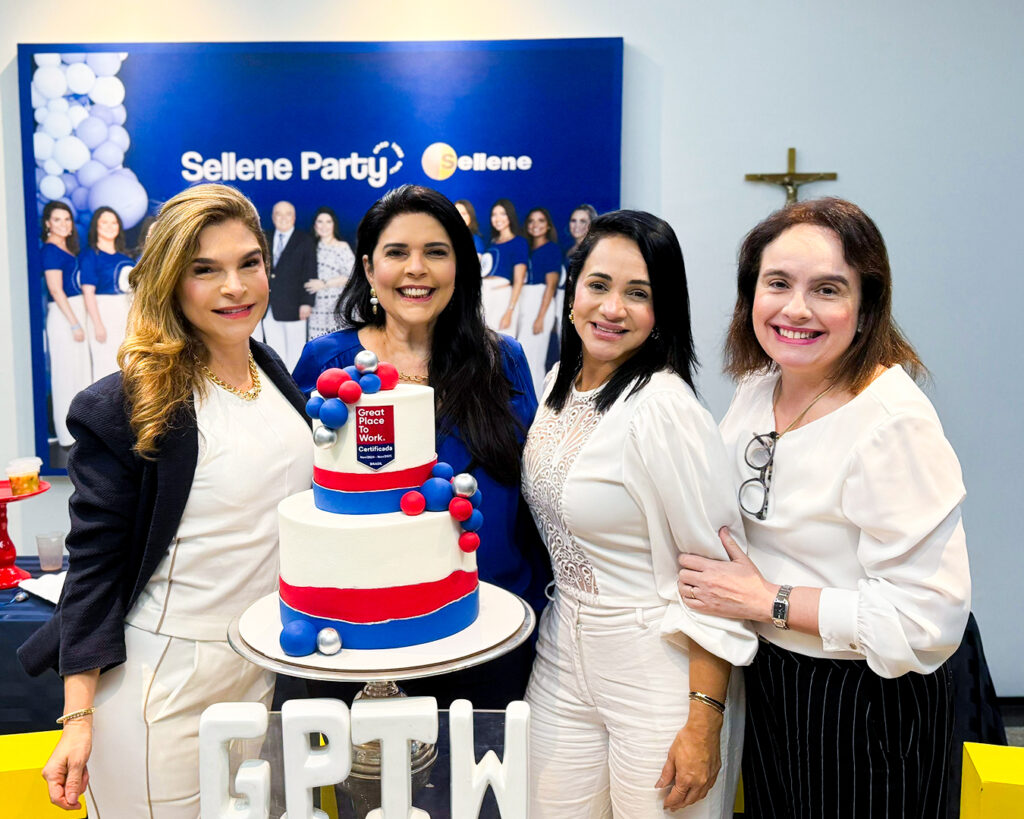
column 87, row 292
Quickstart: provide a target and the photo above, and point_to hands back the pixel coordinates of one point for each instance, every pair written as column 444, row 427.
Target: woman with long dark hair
column 624, row 470
column 414, row 300
column 180, row 461
column 104, row 267
column 509, row 255
column 537, row 313
column 334, row 261
column 857, row 578
column 70, row 363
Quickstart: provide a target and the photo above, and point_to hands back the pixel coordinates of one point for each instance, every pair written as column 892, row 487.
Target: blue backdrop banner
column 126, row 126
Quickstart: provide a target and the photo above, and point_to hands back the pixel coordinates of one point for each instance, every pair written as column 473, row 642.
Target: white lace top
column 618, row 496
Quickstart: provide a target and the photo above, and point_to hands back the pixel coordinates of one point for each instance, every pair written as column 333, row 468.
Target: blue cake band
column 397, row 633
column 358, row 503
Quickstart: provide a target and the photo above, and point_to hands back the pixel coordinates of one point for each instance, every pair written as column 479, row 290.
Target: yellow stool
column 22, row 788
column 993, row 782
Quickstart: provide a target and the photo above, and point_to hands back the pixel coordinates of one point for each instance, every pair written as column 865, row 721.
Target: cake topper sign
column 392, row 721
column 375, row 436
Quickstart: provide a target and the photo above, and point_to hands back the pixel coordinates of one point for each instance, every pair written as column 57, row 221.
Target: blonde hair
column 160, row 356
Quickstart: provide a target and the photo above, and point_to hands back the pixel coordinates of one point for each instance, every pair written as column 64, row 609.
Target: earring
column 655, row 333
column 860, row 324
column 572, row 318
column 374, row 301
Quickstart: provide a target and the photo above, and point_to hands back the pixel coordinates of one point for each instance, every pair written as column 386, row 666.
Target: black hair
column 670, row 344
column 472, row 392
column 119, row 241
column 513, row 219
column 336, row 230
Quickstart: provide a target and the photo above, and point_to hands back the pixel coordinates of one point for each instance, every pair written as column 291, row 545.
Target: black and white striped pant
column 830, row 738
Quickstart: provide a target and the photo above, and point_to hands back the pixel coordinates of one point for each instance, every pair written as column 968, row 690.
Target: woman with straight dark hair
column 70, row 364
column 509, row 254
column 857, row 578
column 537, row 312
column 414, row 300
column 104, row 267
column 334, row 262
column 623, row 470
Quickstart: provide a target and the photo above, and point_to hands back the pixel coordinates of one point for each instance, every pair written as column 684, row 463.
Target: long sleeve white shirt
column 864, row 504
column 618, row 495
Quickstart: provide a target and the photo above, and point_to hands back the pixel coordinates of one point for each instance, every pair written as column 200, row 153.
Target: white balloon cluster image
column 80, row 139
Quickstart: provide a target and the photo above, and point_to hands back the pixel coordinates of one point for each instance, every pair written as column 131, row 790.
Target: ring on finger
column 693, row 592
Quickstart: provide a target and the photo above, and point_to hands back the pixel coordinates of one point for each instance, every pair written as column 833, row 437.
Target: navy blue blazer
column 125, row 512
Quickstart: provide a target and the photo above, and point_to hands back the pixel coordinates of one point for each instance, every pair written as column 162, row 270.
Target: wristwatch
column 780, row 608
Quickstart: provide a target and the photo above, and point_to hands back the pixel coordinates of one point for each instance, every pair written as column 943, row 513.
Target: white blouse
column 617, row 496
column 865, row 504
column 252, row 455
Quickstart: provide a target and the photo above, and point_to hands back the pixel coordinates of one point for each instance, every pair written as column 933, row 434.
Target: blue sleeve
column 519, row 250
column 478, row 242
column 547, row 259
column 333, row 350
column 87, row 267
column 52, row 257
column 513, row 362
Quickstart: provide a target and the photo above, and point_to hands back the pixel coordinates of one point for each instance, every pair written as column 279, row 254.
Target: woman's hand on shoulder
column 694, row 759
column 313, row 285
column 65, row 772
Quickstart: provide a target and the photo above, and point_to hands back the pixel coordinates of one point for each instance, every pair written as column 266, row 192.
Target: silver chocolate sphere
column 328, row 641
column 324, row 437
column 366, row 361
column 464, row 485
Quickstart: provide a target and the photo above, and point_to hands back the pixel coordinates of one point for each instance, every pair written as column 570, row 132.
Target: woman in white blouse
column 623, row 470
column 179, row 463
column 857, row 578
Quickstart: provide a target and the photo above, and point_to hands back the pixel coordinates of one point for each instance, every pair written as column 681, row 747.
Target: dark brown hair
column 878, row 340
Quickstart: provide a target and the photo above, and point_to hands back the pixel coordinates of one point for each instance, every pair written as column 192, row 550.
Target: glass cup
column 23, row 474
column 50, row 546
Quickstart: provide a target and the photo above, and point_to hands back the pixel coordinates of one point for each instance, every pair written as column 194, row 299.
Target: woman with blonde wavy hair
column 180, row 460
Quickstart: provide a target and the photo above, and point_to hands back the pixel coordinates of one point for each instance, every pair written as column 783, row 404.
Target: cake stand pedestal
column 505, row 622
column 11, row 575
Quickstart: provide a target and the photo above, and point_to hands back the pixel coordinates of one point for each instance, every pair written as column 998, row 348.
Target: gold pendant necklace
column 250, row 394
column 800, row 417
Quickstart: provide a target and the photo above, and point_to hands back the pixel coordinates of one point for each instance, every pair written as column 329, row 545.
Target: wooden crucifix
column 790, row 180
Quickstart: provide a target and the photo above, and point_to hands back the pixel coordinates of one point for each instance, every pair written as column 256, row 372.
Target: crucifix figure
column 790, row 180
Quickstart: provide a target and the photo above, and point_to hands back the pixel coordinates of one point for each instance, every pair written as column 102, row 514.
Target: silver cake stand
column 505, row 622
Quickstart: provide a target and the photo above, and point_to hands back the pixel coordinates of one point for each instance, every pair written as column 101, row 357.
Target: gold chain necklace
column 415, row 379
column 250, row 394
column 800, row 417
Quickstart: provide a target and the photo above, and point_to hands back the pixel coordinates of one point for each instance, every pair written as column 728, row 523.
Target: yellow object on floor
column 993, row 782
column 22, row 789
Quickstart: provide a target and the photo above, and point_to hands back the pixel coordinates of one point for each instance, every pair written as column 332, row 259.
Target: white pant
column 113, row 310
column 495, row 293
column 145, row 754
column 287, row 338
column 535, row 346
column 608, row 694
column 70, row 363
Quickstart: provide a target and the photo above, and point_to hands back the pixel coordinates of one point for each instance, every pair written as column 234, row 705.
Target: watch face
column 779, row 610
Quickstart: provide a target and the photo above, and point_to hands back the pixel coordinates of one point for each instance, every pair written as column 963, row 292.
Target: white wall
column 916, row 105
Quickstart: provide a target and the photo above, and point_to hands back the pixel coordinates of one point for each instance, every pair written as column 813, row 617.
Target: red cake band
column 373, row 605
column 410, row 478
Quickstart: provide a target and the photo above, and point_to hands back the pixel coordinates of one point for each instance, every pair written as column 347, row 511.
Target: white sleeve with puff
column 675, row 469
column 903, row 491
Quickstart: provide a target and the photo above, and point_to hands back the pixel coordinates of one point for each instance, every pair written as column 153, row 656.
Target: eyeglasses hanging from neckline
column 759, row 455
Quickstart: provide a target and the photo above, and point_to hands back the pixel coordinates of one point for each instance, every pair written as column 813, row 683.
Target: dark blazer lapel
column 274, row 367
column 175, row 469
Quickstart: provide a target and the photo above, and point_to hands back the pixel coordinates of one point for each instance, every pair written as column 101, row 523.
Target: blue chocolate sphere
column 370, row 382
column 438, row 494
column 313, row 406
column 298, row 638
column 476, row 520
column 442, row 470
column 334, row 413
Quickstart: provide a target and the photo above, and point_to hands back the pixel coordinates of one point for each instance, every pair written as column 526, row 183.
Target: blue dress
column 507, row 255
column 545, row 259
column 103, row 270
column 511, row 554
column 53, row 258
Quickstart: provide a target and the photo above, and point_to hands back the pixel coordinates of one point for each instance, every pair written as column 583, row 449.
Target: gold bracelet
column 83, row 712
column 709, row 701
